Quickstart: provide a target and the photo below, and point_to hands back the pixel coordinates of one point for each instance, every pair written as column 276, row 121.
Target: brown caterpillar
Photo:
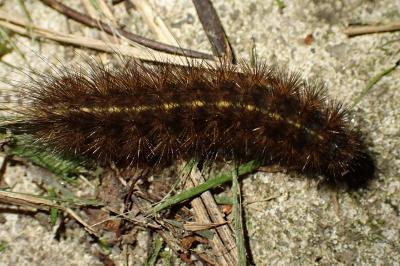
column 150, row 115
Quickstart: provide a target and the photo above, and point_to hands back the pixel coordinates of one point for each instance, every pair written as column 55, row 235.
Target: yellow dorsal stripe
column 223, row 104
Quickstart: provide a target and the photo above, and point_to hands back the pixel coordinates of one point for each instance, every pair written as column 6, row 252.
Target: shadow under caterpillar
column 151, row 115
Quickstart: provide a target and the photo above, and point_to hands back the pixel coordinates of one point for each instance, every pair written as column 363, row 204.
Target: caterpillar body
column 151, row 115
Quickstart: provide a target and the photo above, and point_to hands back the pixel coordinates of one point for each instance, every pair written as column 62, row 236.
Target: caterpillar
column 151, row 115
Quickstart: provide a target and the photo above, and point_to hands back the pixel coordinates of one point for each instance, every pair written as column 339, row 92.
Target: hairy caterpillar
column 150, row 115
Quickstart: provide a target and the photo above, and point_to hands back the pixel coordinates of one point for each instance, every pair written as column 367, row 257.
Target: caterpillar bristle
column 151, row 115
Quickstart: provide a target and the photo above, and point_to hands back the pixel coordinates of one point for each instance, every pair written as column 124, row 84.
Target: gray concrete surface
column 303, row 224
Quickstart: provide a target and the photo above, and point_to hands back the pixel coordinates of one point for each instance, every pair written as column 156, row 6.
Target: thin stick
column 206, row 210
column 214, row 30
column 216, row 216
column 42, row 203
column 201, row 215
column 19, row 27
column 102, row 7
column 95, row 12
column 360, row 30
column 155, row 23
column 85, row 225
column 100, row 25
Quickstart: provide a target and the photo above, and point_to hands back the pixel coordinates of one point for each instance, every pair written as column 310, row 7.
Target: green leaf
column 152, row 259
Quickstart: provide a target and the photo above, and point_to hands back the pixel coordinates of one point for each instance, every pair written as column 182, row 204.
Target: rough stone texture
column 304, row 223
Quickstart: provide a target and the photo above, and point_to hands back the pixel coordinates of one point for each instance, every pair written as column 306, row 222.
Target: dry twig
column 100, row 25
column 19, row 26
column 224, row 231
column 361, row 30
column 213, row 28
column 201, row 216
column 155, row 23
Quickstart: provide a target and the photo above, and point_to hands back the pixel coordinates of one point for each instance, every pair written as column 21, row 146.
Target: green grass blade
column 237, row 219
column 373, row 81
column 151, row 261
column 209, row 184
